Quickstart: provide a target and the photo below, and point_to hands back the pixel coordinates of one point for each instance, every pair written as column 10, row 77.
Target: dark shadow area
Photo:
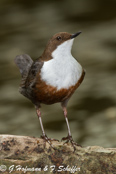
column 94, row 105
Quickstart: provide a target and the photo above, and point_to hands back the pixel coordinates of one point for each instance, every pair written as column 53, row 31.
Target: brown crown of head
column 55, row 41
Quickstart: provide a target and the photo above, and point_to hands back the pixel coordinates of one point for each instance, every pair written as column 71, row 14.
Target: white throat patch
column 63, row 71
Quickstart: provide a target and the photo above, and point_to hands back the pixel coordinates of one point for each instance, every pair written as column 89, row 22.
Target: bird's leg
column 44, row 136
column 69, row 137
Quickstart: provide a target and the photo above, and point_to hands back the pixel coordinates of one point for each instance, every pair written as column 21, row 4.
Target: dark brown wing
column 27, row 87
column 35, row 68
column 28, row 70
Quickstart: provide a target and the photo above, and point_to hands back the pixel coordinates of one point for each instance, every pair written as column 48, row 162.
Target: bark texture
column 22, row 154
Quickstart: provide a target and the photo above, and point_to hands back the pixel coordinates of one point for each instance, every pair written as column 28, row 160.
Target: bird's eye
column 59, row 38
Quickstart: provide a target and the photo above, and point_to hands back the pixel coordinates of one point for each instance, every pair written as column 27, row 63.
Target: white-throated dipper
column 51, row 78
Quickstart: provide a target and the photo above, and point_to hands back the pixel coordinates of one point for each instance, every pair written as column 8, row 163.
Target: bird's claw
column 70, row 139
column 48, row 140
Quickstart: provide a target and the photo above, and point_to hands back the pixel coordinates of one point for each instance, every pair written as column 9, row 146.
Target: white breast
column 63, row 70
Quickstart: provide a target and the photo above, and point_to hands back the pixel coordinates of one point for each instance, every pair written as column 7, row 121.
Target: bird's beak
column 75, row 35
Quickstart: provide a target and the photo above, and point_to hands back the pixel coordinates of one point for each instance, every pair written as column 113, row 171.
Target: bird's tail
column 24, row 63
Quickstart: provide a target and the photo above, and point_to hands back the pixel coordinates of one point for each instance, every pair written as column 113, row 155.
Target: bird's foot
column 70, row 139
column 48, row 140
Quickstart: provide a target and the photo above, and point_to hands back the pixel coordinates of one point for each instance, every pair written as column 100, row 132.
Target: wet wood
column 22, row 154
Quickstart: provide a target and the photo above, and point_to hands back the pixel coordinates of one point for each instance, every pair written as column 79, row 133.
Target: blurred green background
column 25, row 27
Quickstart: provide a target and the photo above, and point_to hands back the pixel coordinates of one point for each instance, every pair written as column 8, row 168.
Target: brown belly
column 48, row 95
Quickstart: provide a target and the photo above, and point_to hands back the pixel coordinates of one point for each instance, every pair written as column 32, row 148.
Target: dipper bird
column 51, row 78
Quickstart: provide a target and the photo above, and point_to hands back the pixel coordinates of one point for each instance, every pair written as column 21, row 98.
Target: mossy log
column 22, row 154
